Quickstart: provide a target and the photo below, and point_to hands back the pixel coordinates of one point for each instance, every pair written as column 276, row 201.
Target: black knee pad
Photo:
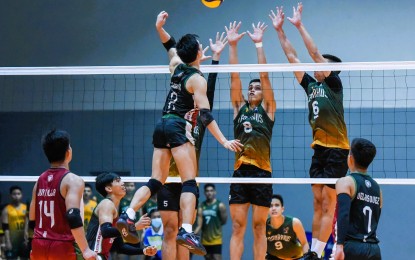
column 191, row 186
column 154, row 186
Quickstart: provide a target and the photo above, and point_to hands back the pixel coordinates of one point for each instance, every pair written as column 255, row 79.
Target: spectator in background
column 153, row 236
column 13, row 219
column 151, row 204
column 211, row 216
column 89, row 205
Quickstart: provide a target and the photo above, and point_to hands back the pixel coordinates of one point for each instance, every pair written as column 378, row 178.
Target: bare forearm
column 308, row 41
column 163, row 34
column 286, row 45
column 79, row 235
column 215, row 131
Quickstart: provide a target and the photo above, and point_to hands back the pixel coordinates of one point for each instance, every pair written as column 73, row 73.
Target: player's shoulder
column 72, row 180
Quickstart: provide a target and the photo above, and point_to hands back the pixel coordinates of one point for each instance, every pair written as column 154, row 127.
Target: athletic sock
column 319, row 248
column 313, row 244
column 187, row 227
column 130, row 213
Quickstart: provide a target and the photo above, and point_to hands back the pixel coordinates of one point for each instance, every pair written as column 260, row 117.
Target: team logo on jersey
column 368, row 184
column 286, row 229
column 50, row 178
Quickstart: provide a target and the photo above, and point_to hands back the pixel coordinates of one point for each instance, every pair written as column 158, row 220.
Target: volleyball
column 212, row 3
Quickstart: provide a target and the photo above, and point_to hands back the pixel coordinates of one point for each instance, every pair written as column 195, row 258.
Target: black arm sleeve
column 344, row 202
column 307, row 79
column 211, row 84
column 334, row 82
column 126, row 249
column 108, row 231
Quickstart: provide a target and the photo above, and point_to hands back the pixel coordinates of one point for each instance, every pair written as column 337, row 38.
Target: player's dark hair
column 103, row 180
column 187, row 48
column 278, row 197
column 363, row 152
column 14, row 187
column 152, row 211
column 207, row 185
column 88, row 185
column 55, row 143
column 254, row 80
column 334, row 59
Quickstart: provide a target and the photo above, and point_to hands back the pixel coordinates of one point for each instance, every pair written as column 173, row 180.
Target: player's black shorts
column 256, row 194
column 329, row 163
column 363, row 251
column 172, row 131
column 271, row 257
column 168, row 197
column 213, row 250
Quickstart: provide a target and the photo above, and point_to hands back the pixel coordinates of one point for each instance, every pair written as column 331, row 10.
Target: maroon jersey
column 50, row 207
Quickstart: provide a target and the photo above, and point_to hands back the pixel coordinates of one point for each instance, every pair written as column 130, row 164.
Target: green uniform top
column 253, row 128
column 212, row 224
column 199, row 129
column 282, row 242
column 149, row 206
column 364, row 210
column 326, row 113
column 16, row 218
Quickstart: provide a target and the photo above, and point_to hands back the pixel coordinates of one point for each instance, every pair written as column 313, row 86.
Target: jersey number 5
column 47, row 212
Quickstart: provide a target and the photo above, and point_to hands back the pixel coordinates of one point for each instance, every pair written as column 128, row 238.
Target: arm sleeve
column 344, row 202
column 211, row 84
column 334, row 82
column 126, row 249
column 307, row 79
column 108, row 231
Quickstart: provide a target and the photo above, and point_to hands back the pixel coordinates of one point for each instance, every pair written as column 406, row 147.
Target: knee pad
column 191, row 186
column 154, row 186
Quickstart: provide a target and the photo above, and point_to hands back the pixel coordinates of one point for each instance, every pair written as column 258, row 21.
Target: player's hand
column 232, row 33
column 233, row 145
column 219, row 44
column 161, row 19
column 88, row 254
column 258, row 33
column 339, row 255
column 277, row 19
column 204, row 56
column 296, row 19
column 150, row 250
column 143, row 222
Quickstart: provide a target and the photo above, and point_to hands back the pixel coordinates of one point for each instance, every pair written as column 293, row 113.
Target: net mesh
column 110, row 113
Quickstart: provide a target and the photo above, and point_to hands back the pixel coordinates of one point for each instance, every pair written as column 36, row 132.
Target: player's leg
column 316, row 171
column 239, row 214
column 327, row 212
column 260, row 197
column 159, row 173
column 259, row 218
column 317, row 190
column 160, row 170
column 170, row 225
column 168, row 200
column 185, row 158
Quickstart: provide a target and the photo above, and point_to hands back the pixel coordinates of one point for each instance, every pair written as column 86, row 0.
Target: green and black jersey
column 199, row 129
column 282, row 242
column 364, row 210
column 212, row 224
column 326, row 113
column 253, row 128
column 179, row 101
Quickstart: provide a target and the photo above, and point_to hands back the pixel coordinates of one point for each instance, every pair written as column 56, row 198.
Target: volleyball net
column 110, row 113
